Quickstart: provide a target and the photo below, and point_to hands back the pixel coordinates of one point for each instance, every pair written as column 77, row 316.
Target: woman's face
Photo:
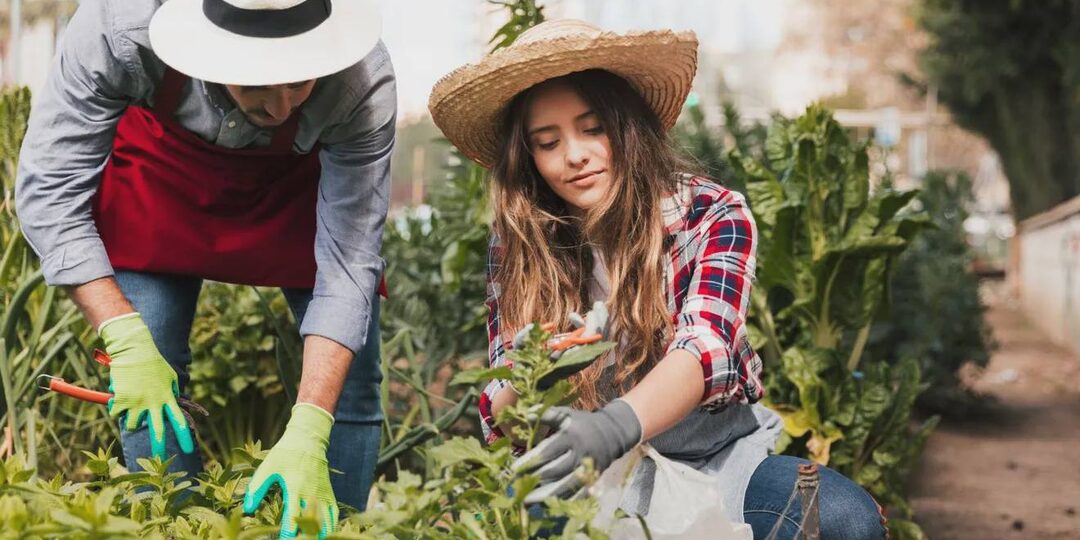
column 568, row 145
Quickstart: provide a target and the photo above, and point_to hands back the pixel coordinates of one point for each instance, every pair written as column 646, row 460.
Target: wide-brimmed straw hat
column 263, row 42
column 468, row 103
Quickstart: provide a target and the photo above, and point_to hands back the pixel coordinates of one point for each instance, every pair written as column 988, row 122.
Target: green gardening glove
column 143, row 384
column 297, row 464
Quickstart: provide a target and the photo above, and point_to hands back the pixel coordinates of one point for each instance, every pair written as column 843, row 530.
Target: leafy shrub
column 468, row 492
column 935, row 314
column 245, row 351
column 434, row 323
column 826, row 247
column 41, row 331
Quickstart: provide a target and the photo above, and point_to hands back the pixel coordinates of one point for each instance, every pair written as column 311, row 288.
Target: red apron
column 170, row 202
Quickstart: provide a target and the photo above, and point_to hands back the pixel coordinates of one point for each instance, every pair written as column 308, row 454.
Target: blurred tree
column 1010, row 71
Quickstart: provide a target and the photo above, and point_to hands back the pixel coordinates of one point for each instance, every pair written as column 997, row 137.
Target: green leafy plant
column 245, row 366
column 41, row 332
column 524, row 14
column 469, row 491
column 826, row 247
column 435, row 319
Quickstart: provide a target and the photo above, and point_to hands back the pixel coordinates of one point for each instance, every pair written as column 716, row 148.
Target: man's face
column 270, row 106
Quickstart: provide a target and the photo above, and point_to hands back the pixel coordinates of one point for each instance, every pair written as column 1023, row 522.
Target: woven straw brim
column 468, row 103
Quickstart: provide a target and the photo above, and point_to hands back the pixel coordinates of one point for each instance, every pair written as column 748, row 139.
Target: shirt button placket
column 229, row 132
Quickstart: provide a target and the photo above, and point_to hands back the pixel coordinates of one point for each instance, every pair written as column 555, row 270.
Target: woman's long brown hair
column 545, row 259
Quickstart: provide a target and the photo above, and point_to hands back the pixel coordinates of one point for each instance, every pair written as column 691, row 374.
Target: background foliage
column 936, row 315
column 1009, row 70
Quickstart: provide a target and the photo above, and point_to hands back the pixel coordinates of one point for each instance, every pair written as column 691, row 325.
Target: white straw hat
column 468, row 103
column 263, row 42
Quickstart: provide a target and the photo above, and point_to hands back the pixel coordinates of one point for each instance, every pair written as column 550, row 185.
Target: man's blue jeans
column 167, row 304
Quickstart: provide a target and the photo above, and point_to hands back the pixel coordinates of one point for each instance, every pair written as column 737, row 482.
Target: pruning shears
column 562, row 342
column 588, row 329
column 50, row 383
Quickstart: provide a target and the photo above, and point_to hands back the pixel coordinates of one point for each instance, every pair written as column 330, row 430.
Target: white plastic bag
column 685, row 503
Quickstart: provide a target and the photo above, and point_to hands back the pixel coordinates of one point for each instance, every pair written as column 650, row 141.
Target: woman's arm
column 708, row 362
column 658, row 408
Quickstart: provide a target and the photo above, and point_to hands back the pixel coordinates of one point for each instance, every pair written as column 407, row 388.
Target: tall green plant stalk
column 40, row 328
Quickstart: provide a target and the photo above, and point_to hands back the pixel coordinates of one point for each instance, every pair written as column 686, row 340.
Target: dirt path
column 1015, row 473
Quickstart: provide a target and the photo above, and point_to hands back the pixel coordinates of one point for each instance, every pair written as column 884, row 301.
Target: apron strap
column 285, row 134
column 167, row 97
column 167, row 100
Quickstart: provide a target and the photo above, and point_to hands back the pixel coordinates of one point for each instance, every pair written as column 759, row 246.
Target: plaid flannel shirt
column 710, row 267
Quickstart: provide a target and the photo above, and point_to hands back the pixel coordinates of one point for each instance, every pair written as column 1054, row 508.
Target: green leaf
column 776, row 262
column 885, row 459
column 583, row 354
column 459, row 450
column 481, row 375
column 867, row 475
column 902, row 529
column 857, row 187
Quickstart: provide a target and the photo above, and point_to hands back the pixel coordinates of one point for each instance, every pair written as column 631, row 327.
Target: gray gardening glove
column 603, row 435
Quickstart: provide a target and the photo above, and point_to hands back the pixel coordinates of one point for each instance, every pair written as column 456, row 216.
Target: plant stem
column 860, row 344
column 772, row 349
column 9, row 395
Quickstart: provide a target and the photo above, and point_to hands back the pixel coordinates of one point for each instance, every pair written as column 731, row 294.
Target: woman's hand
column 604, row 435
column 589, row 329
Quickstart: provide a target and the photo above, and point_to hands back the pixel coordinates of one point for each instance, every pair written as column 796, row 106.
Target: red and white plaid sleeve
column 496, row 349
column 717, row 266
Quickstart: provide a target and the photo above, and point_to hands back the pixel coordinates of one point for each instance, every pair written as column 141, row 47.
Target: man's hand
column 297, row 464
column 143, row 383
column 603, row 435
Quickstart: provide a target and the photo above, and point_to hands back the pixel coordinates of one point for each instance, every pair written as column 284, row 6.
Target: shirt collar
column 674, row 206
column 218, row 97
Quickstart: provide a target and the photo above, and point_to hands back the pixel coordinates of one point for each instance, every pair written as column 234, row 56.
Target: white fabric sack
column 685, row 503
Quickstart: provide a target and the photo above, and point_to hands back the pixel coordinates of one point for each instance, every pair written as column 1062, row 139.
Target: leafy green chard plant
column 826, row 246
column 469, row 491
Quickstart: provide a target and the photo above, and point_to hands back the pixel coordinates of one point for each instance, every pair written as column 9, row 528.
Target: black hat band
column 267, row 23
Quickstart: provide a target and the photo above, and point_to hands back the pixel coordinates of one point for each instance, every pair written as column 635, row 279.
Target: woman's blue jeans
column 845, row 510
column 167, row 304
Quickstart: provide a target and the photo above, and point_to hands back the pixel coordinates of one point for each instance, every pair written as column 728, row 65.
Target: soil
column 1014, row 471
